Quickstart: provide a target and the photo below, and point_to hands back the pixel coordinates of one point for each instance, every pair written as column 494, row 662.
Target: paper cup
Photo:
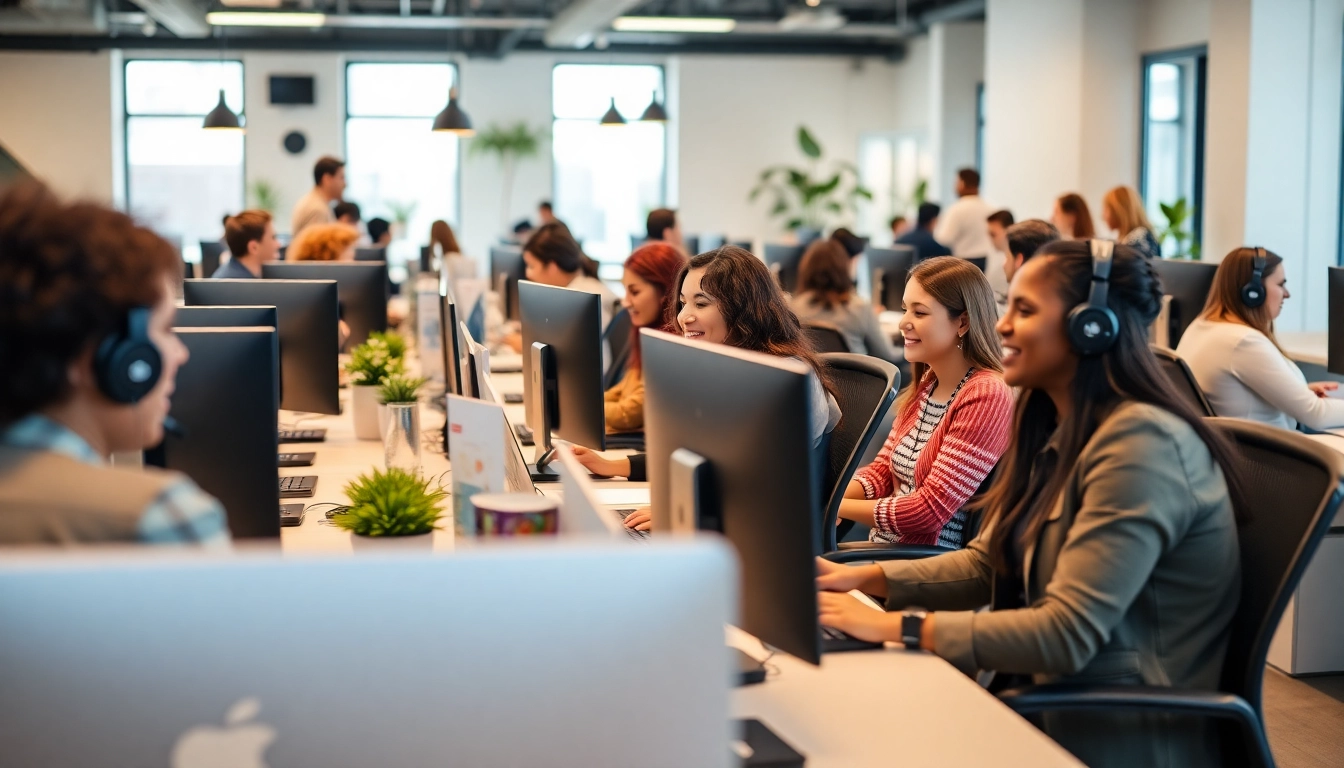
column 515, row 514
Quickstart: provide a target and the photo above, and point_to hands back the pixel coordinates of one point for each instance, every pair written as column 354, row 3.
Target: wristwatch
column 912, row 626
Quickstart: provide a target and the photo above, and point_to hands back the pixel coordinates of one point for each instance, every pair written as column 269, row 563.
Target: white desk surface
column 858, row 709
column 1306, row 347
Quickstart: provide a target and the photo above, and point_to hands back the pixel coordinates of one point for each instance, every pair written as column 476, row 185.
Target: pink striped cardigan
column 962, row 450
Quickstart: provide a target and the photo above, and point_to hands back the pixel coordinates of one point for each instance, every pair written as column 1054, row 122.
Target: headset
column 1253, row 292
column 1093, row 327
column 127, row 364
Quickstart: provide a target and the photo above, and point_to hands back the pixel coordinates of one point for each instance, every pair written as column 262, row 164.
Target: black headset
column 127, row 364
column 1093, row 327
column 1253, row 292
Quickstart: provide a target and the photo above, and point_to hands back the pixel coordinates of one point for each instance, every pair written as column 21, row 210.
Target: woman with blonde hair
column 1122, row 210
column 952, row 422
column 324, row 242
column 1237, row 361
column 1073, row 218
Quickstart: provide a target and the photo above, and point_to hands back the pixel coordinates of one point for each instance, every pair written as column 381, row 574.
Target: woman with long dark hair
column 1109, row 552
column 650, row 273
column 728, row 296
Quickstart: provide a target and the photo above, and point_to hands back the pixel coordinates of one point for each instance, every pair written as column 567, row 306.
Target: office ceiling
column 485, row 28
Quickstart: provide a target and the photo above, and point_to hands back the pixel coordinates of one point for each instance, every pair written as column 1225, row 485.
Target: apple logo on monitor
column 240, row 744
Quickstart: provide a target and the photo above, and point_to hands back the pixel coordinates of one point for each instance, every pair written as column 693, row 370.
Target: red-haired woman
column 650, row 273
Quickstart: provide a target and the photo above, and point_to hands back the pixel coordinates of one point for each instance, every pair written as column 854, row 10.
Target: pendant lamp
column 613, row 116
column 654, row 113
column 452, row 119
column 221, row 118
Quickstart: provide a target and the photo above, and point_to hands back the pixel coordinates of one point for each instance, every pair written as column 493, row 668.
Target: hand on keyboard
column 641, row 519
column 843, row 612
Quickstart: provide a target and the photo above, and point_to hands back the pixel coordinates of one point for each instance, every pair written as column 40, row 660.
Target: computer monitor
column 362, row 289
column 1188, row 284
column 123, row 658
column 371, row 254
column 307, row 311
column 426, row 258
column 451, row 340
column 1335, row 345
column 211, row 252
column 783, row 261
column 227, row 403
column 738, row 459
column 890, row 268
column 506, row 269
column 225, row 317
column 562, row 369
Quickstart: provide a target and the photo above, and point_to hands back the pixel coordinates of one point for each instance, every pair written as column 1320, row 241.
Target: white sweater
column 1246, row 377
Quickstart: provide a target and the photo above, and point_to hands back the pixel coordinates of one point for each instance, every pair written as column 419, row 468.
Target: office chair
column 825, row 338
column 1294, row 487
column 1182, row 379
column 371, row 254
column 636, row 241
column 874, row 551
column 981, row 262
column 211, row 253
column 617, row 339
column 865, row 390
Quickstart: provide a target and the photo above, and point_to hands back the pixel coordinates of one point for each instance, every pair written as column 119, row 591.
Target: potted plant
column 1178, row 214
column 809, row 198
column 265, row 197
column 391, row 503
column 399, row 420
column 510, row 144
column 370, row 363
column 401, row 216
column 396, row 343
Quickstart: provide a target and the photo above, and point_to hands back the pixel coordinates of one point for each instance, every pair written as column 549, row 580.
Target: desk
column 860, row 709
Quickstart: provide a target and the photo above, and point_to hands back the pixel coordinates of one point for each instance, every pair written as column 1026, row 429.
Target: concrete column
column 957, row 67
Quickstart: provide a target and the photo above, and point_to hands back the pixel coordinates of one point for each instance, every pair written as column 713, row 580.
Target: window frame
column 662, row 73
column 126, row 119
column 1200, row 55
column 456, row 218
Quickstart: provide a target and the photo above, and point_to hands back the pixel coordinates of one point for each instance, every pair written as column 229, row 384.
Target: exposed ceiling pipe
column 181, row 17
column 382, row 21
column 583, row 20
column 954, row 12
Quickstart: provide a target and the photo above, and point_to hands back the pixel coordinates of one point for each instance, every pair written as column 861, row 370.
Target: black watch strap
column 912, row 626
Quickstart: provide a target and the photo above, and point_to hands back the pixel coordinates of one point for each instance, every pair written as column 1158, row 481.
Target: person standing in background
column 315, row 207
column 921, row 237
column 962, row 225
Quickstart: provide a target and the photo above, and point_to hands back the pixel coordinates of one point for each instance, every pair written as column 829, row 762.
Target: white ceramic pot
column 423, row 543
column 364, row 404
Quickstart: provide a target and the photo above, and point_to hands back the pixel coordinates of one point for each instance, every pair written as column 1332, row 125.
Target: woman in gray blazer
column 1109, row 553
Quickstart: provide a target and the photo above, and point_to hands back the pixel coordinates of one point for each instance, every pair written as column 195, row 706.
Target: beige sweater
column 625, row 403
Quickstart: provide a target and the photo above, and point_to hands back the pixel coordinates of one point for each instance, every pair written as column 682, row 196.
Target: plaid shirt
column 182, row 513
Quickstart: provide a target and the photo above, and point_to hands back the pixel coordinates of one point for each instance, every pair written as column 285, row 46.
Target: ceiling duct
column 580, row 22
column 52, row 17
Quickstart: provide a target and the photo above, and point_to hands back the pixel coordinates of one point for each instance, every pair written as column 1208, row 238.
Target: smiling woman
column 650, row 273
column 951, row 422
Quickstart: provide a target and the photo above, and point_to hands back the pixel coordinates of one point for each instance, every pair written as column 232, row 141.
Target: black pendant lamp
column 654, row 113
column 613, row 116
column 221, row 118
column 452, row 119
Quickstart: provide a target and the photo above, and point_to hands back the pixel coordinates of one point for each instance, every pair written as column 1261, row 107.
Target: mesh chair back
column 212, row 252
column 1182, row 379
column 865, row 390
column 370, row 254
column 617, row 337
column 825, row 338
column 1293, row 488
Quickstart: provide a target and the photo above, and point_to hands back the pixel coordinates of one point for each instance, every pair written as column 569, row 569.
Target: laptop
column 581, row 508
column 176, row 658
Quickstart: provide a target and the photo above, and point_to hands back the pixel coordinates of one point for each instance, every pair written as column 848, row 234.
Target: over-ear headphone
column 1253, row 292
column 1093, row 327
column 127, row 364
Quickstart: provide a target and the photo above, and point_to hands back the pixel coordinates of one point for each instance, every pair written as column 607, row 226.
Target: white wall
column 57, row 119
column 1110, row 100
column 957, row 64
column 1172, row 24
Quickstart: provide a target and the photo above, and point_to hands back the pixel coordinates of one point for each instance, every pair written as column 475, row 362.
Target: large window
column 895, row 167
column 607, row 178
column 182, row 179
column 396, row 167
column 1173, row 135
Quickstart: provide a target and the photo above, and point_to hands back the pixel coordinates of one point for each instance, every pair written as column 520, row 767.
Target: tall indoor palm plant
column 510, row 144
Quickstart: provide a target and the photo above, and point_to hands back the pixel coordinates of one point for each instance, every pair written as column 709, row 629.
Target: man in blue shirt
column 921, row 237
column 251, row 239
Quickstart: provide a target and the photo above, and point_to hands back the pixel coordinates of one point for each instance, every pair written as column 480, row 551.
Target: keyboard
column 525, row 434
column 291, row 515
column 298, row 486
column 303, row 435
column 631, row 532
column 297, row 459
column 835, row 641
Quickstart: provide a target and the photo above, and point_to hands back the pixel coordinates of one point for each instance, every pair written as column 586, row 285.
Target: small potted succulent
column 399, row 421
column 370, row 363
column 391, row 504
